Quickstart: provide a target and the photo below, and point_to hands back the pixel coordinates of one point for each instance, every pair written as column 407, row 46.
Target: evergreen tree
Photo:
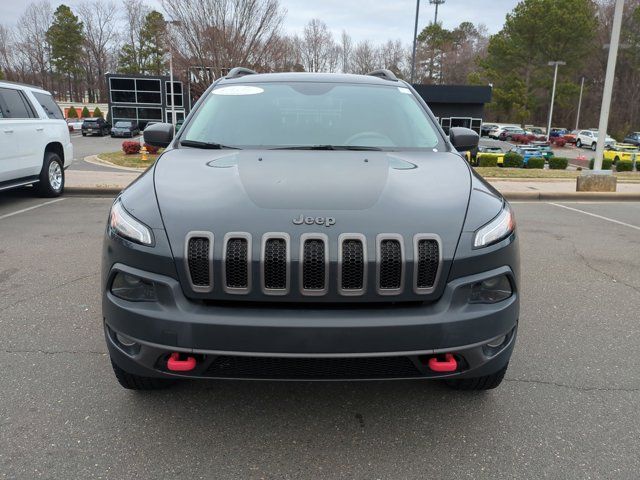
column 153, row 44
column 97, row 113
column 65, row 38
column 85, row 112
column 72, row 112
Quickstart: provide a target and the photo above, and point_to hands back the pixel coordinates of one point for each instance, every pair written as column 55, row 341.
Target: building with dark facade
column 145, row 98
column 456, row 105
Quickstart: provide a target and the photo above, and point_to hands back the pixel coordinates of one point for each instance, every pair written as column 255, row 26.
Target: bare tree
column 317, row 46
column 32, row 42
column 346, row 50
column 365, row 58
column 393, row 55
column 225, row 33
column 99, row 21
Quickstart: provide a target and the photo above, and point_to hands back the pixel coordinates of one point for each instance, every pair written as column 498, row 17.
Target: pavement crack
column 586, row 262
column 573, row 387
column 49, row 290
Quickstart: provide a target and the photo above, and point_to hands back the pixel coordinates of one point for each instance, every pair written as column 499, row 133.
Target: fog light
column 497, row 342
column 125, row 341
column 133, row 288
column 491, row 290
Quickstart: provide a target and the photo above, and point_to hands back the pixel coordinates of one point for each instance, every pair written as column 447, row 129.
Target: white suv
column 35, row 147
column 589, row 139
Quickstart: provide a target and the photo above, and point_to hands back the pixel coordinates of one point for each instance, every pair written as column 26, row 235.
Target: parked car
column 219, row 261
column 571, row 136
column 544, row 148
column 621, row 151
column 589, row 139
column 535, row 130
column 95, row 126
column 507, row 133
column 486, row 128
column 529, row 152
column 633, row 138
column 75, row 124
column 125, row 129
column 497, row 151
column 558, row 132
column 35, row 147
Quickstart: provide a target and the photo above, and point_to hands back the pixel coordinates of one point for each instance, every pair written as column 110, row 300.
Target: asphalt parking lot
column 93, row 145
column 570, row 407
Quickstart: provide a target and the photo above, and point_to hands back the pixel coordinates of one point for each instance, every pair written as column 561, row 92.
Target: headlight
column 123, row 224
column 500, row 227
column 133, row 288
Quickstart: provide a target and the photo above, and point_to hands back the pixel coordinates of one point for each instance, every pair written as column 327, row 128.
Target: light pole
column 579, row 103
column 555, row 63
column 415, row 40
column 436, row 3
column 171, row 88
column 608, row 84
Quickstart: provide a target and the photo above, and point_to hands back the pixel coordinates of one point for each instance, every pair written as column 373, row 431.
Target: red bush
column 130, row 147
column 541, row 138
column 560, row 142
column 151, row 149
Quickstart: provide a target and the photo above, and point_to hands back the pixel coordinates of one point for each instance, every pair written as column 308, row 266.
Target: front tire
column 593, row 146
column 487, row 382
column 136, row 382
column 578, row 143
column 51, row 182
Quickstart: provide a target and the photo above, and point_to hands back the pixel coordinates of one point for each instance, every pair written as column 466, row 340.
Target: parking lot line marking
column 30, row 208
column 612, row 220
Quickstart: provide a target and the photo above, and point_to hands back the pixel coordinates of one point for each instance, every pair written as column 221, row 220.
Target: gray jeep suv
column 310, row 227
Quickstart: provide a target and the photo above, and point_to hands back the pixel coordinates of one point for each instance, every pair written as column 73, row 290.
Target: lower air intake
column 312, row 368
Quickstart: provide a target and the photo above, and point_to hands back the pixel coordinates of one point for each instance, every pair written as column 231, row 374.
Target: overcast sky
column 375, row 20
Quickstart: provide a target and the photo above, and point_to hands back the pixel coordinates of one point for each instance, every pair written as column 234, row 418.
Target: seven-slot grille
column 313, row 263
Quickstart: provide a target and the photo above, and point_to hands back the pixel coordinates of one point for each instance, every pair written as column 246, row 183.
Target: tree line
column 69, row 51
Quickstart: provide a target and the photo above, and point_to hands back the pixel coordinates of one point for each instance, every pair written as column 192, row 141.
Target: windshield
column 123, row 124
column 305, row 114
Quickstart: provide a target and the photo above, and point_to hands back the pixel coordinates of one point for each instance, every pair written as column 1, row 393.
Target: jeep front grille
column 314, row 264
column 390, row 264
column 237, row 255
column 199, row 254
column 400, row 265
column 275, row 264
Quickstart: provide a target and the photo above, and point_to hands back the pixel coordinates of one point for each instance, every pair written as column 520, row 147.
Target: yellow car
column 482, row 150
column 622, row 151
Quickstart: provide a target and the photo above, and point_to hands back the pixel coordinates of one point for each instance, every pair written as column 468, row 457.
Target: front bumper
column 240, row 336
column 68, row 155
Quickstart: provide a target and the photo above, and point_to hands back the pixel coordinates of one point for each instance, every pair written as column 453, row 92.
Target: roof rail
column 384, row 74
column 238, row 72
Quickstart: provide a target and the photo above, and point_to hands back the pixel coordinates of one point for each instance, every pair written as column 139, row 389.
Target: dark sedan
column 125, row 129
column 633, row 139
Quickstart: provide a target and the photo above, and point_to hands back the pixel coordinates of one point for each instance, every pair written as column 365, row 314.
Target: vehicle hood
column 262, row 191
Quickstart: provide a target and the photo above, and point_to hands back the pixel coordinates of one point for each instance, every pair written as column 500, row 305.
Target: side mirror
column 463, row 139
column 158, row 134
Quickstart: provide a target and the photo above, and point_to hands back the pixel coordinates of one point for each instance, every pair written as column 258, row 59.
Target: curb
column 93, row 191
column 557, row 196
column 96, row 160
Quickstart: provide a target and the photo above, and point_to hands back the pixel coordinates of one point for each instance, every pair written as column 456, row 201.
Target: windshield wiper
column 207, row 145
column 329, row 147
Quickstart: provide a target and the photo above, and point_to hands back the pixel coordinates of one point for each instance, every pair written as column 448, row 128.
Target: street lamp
column 436, row 3
column 555, row 63
column 608, row 84
column 415, row 40
column 173, row 108
column 579, row 103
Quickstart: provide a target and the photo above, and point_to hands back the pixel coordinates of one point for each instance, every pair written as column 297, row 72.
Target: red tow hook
column 176, row 365
column 449, row 364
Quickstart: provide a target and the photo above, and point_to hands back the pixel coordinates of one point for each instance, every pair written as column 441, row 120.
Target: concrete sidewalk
column 96, row 182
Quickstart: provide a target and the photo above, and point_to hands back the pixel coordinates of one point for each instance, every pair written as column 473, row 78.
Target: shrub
column 72, row 112
column 606, row 163
column 86, row 113
column 541, row 138
column 151, row 149
column 130, row 147
column 624, row 166
column 97, row 113
column 560, row 141
column 487, row 160
column 535, row 162
column 558, row 163
column 513, row 160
